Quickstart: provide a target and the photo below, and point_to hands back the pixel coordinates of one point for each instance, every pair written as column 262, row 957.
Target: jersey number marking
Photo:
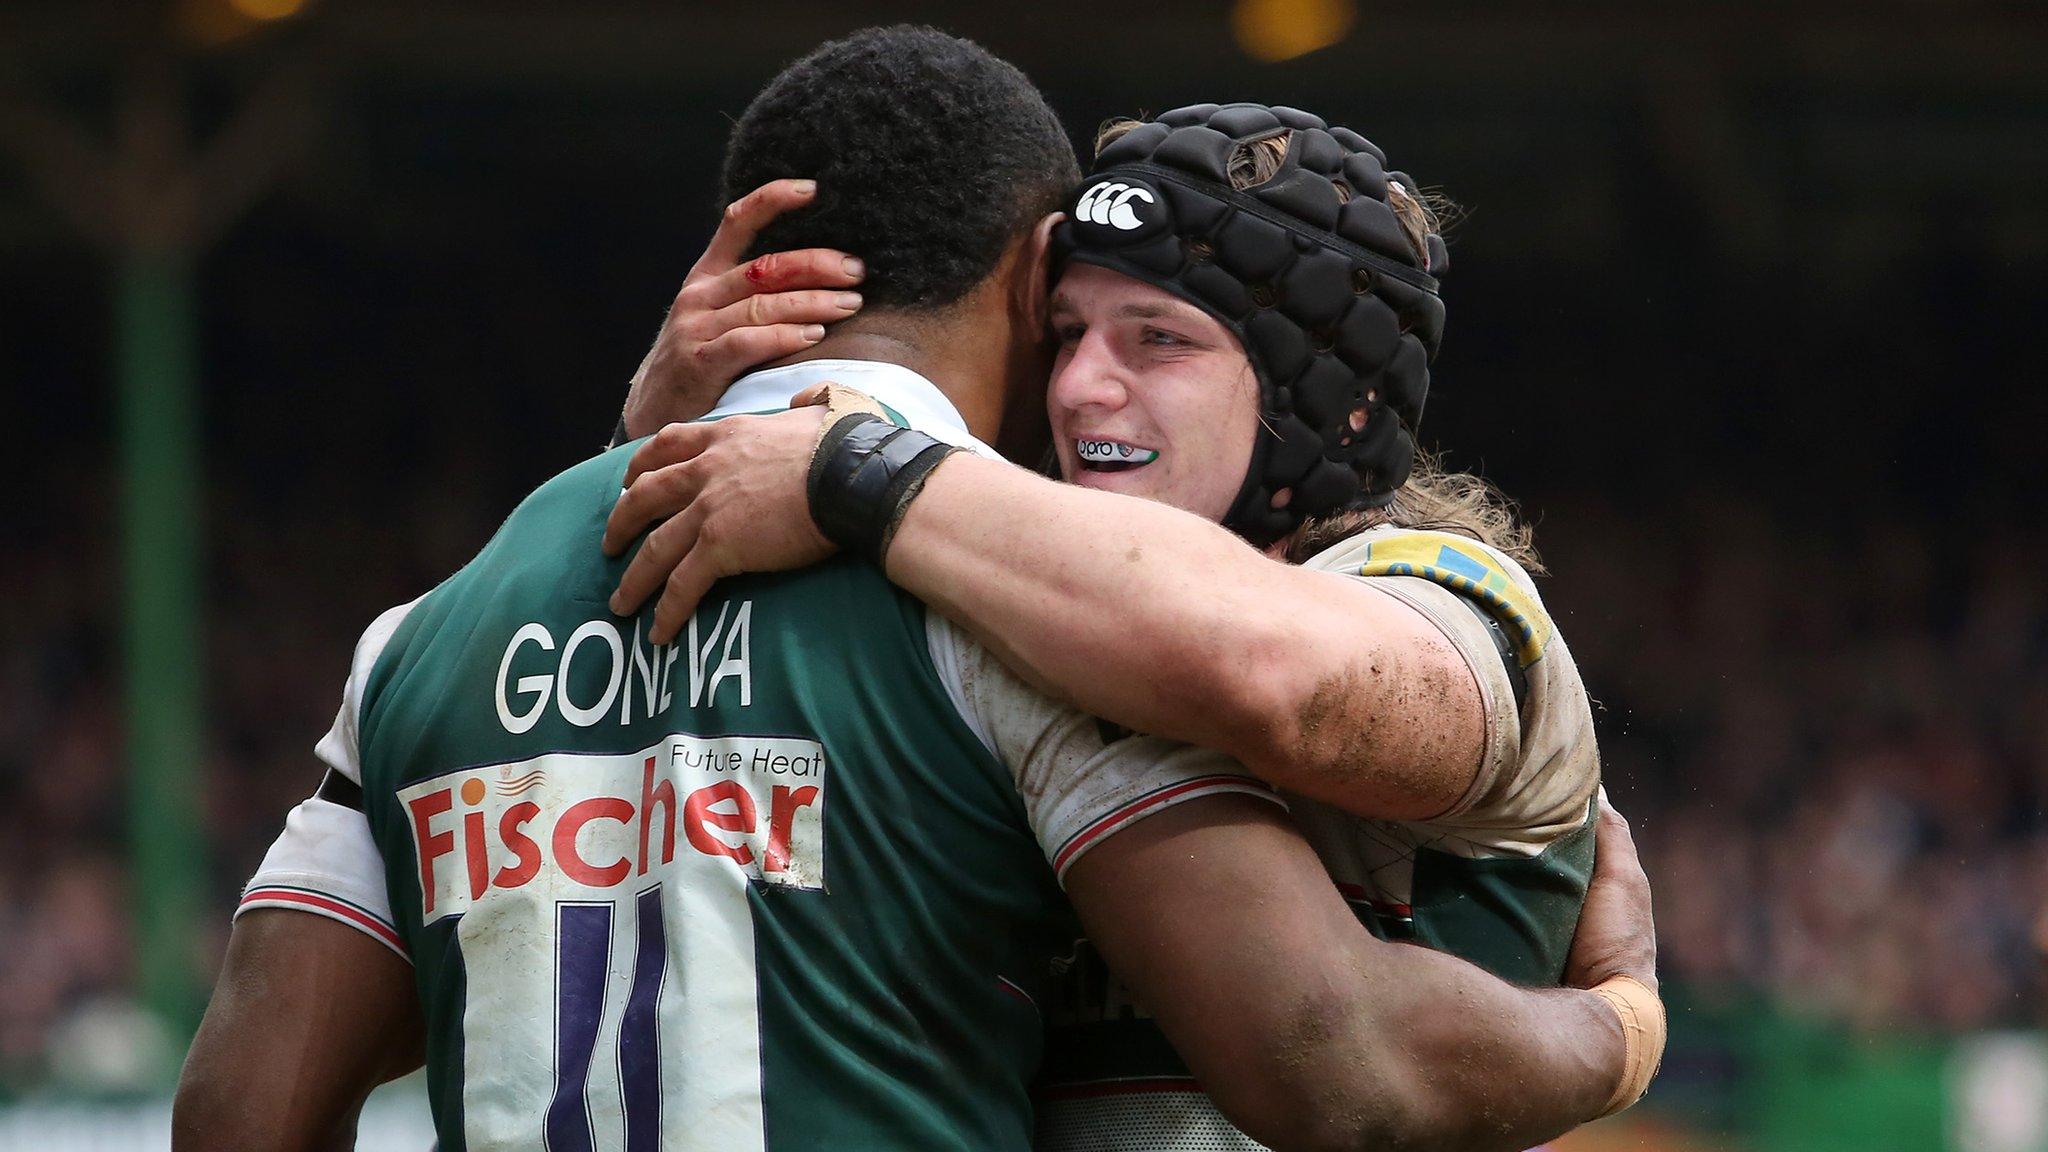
column 583, row 958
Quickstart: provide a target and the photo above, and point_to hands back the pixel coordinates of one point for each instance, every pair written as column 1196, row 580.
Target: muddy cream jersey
column 790, row 882
column 1499, row 878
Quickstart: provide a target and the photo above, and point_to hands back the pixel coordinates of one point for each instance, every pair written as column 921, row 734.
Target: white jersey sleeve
column 1082, row 781
column 325, row 861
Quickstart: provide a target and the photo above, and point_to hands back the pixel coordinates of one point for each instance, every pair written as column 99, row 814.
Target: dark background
column 1743, row 308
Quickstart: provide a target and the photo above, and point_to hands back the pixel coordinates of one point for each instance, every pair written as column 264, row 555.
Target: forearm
column 1465, row 1061
column 1162, row 622
column 1307, row 1032
column 1477, row 1063
column 1132, row 610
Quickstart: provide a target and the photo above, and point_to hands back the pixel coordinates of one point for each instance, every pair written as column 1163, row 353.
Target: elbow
column 1260, row 696
column 1341, row 1078
column 1391, row 1110
column 220, row 1107
column 1358, row 1113
column 217, row 1115
column 1404, row 1115
column 1332, row 1082
column 205, row 1115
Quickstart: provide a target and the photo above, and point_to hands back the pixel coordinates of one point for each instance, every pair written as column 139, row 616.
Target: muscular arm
column 1147, row 616
column 1309, row 1033
column 1163, row 622
column 309, row 1015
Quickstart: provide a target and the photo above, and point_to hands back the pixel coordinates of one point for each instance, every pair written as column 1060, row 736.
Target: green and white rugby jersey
column 1499, row 879
column 788, row 883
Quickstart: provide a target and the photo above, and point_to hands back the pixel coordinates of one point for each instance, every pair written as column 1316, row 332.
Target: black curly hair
column 931, row 156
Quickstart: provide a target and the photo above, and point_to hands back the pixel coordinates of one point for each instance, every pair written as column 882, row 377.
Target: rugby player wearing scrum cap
column 1246, row 315
column 798, row 884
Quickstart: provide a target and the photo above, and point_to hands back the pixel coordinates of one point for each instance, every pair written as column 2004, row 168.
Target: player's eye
column 1164, row 339
column 1069, row 333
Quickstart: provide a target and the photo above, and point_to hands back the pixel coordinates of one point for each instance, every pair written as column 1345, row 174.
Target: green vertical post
column 156, row 360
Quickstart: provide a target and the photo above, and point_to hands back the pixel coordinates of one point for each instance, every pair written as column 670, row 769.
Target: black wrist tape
column 863, row 476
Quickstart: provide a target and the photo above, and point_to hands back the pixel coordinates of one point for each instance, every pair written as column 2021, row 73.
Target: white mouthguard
column 1112, row 452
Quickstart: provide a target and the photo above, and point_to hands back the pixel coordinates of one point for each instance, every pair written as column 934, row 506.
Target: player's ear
column 1034, row 285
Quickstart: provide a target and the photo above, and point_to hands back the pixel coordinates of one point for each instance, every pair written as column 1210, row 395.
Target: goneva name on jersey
column 532, row 677
column 571, row 826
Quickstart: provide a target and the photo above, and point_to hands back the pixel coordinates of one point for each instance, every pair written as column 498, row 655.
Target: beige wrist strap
column 839, row 400
column 1642, row 1034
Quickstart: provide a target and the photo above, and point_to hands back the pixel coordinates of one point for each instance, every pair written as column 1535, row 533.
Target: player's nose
column 1090, row 376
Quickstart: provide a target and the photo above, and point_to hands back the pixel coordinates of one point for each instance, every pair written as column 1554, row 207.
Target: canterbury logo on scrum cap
column 1115, row 203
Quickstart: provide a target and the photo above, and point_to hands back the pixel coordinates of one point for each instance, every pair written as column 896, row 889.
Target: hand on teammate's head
column 735, row 314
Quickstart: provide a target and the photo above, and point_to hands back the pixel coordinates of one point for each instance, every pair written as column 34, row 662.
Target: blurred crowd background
column 1741, row 309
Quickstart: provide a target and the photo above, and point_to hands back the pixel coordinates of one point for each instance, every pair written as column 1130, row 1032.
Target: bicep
column 307, row 1017
column 314, row 1005
column 1379, row 710
column 1222, row 921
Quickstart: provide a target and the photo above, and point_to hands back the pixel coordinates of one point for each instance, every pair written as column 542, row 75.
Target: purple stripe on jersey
column 583, row 945
column 639, row 1056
